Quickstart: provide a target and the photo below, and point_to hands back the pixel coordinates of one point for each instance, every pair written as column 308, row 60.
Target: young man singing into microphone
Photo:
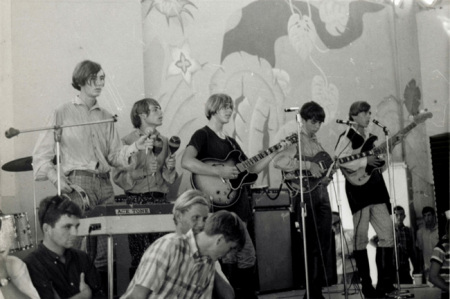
column 369, row 203
column 148, row 181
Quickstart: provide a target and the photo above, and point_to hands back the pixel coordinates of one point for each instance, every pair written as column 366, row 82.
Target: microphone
column 346, row 122
column 174, row 144
column 291, row 109
column 379, row 124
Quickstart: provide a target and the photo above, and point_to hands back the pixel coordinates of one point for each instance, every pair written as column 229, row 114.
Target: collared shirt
column 49, row 273
column 18, row 272
column 89, row 147
column 136, row 179
column 172, row 267
column 426, row 241
column 405, row 248
column 347, row 147
column 287, row 160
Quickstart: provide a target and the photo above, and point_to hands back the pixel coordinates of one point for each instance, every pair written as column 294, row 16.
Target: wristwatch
column 4, row 281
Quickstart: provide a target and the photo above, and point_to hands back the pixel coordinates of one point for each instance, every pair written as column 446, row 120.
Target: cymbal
column 22, row 164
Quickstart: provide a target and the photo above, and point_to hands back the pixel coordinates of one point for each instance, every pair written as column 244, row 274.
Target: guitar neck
column 394, row 140
column 356, row 156
column 245, row 165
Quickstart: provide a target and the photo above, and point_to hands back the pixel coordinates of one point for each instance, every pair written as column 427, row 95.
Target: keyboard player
column 148, row 182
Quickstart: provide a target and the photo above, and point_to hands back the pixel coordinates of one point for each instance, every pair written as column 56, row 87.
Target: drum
column 23, row 232
column 16, row 232
column 7, row 232
column 80, row 197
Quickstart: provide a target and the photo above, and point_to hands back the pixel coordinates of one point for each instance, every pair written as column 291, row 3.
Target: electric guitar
column 309, row 183
column 362, row 175
column 225, row 192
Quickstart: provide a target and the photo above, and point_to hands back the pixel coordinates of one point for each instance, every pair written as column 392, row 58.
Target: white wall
column 45, row 40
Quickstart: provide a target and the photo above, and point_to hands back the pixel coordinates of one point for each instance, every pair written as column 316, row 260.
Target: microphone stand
column 302, row 201
column 342, row 237
column 398, row 294
column 57, row 132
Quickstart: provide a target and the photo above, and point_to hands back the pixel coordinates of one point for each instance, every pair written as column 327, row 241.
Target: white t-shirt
column 18, row 272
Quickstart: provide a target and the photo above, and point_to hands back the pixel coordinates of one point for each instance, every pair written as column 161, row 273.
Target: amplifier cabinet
column 273, row 249
column 263, row 198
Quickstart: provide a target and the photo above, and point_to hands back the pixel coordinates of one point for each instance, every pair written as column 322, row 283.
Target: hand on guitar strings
column 227, row 172
column 316, row 170
column 374, row 161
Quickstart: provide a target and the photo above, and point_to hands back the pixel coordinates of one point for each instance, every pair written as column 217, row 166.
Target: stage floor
column 336, row 292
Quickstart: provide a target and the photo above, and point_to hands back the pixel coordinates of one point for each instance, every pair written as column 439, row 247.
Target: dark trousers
column 318, row 235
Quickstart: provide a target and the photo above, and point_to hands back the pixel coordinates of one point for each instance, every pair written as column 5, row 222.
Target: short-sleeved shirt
column 441, row 255
column 211, row 146
column 172, row 267
column 49, row 273
column 426, row 241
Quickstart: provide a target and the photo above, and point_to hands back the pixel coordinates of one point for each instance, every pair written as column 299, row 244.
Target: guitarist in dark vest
column 317, row 201
column 211, row 142
column 369, row 203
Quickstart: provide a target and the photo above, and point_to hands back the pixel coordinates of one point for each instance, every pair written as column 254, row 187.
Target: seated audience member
column 190, row 211
column 183, row 266
column 440, row 263
column 15, row 282
column 56, row 269
column 427, row 238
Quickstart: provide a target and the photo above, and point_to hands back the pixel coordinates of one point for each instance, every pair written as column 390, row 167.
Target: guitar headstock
column 421, row 117
column 291, row 139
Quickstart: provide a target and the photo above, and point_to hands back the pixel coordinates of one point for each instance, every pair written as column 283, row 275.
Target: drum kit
column 15, row 228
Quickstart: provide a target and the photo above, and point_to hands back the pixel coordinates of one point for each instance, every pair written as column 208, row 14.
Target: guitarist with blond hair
column 369, row 203
column 317, row 201
column 211, row 143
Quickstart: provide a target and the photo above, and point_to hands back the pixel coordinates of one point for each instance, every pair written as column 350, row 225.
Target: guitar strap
column 231, row 143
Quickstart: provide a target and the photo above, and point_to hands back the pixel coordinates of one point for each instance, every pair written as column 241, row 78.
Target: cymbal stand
column 302, row 201
column 397, row 294
column 57, row 129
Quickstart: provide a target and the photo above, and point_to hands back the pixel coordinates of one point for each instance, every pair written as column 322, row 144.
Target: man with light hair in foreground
column 183, row 265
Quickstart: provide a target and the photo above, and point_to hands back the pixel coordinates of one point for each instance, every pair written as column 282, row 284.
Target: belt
column 91, row 174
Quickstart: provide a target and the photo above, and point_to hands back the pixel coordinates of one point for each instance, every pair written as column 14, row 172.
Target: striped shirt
column 173, row 268
column 405, row 245
column 91, row 147
column 441, row 255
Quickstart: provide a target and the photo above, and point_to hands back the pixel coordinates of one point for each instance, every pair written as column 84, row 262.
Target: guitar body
column 363, row 174
column 309, row 183
column 223, row 192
